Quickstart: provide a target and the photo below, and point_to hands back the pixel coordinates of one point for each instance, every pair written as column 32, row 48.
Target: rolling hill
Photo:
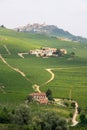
column 51, row 30
column 70, row 72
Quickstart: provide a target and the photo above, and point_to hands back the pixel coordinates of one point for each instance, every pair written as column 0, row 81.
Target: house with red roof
column 40, row 97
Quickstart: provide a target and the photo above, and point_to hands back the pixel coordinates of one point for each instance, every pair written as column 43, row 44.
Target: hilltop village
column 47, row 52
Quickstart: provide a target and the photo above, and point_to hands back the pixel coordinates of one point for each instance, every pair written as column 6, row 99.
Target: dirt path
column 15, row 69
column 21, row 54
column 36, row 88
column 7, row 49
column 59, row 101
column 52, row 75
column 74, row 121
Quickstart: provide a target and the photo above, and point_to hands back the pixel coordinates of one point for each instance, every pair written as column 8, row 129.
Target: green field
column 70, row 72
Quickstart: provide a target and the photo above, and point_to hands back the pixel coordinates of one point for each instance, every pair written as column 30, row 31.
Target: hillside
column 51, row 30
column 70, row 72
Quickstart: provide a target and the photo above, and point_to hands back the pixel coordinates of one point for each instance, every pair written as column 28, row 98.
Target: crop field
column 70, row 79
column 70, row 72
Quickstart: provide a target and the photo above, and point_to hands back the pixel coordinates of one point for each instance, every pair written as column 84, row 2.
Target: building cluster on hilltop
column 46, row 52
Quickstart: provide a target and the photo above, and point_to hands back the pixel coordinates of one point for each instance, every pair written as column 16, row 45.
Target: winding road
column 37, row 88
column 52, row 75
column 7, row 49
column 74, row 118
column 15, row 69
column 21, row 54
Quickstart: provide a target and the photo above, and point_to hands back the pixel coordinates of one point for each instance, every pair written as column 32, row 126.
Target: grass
column 36, row 108
column 71, row 76
column 73, row 79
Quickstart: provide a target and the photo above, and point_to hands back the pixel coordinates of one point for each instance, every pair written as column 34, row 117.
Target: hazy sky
column 71, row 15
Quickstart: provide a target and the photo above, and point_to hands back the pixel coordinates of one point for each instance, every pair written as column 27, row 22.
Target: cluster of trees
column 26, row 120
column 83, row 116
column 4, row 118
column 2, row 26
column 82, row 123
column 83, row 119
column 59, row 52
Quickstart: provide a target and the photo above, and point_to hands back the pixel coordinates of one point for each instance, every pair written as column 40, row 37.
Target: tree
column 49, row 94
column 83, row 119
column 71, row 115
column 49, row 121
column 22, row 115
column 4, row 115
column 38, row 121
column 29, row 98
column 59, row 52
column 79, row 110
column 72, row 54
column 66, row 104
column 73, row 104
column 2, row 26
column 54, row 122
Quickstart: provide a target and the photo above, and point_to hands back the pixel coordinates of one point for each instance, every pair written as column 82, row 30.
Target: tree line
column 21, row 118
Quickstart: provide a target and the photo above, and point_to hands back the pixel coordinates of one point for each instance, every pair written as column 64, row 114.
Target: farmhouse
column 40, row 97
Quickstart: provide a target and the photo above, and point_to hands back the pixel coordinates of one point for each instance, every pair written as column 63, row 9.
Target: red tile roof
column 40, row 97
column 38, row 94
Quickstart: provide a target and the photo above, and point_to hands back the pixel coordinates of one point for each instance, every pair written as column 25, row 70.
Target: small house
column 40, row 97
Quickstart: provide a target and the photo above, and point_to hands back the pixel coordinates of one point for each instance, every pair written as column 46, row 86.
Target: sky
column 70, row 15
